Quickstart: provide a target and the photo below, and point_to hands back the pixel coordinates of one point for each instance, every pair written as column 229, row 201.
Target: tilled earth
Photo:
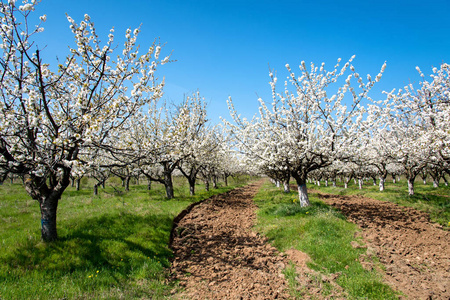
column 415, row 252
column 218, row 256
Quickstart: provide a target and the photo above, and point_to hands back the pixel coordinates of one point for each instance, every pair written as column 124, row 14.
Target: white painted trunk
column 318, row 182
column 286, row 187
column 435, row 183
column 360, row 183
column 424, row 181
column 278, row 183
column 326, row 182
column 334, row 183
column 346, row 185
column 381, row 185
column 411, row 187
column 303, row 195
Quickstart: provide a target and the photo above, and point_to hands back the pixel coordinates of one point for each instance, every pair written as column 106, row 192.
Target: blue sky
column 225, row 48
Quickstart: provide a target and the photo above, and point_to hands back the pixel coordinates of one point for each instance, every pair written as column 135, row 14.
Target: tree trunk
column 382, row 181
column 303, row 195
column 206, row 185
column 127, row 183
column 302, row 190
column 435, row 182
column 225, row 179
column 96, row 189
column 334, row 182
column 360, row 183
column 149, row 184
column 326, row 182
column 78, row 184
column 287, row 188
column 411, row 186
column 191, row 185
column 48, row 208
column 215, row 182
column 346, row 185
column 168, row 185
column 48, row 196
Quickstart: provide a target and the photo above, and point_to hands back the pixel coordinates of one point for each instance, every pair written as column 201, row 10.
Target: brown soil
column 414, row 251
column 218, row 256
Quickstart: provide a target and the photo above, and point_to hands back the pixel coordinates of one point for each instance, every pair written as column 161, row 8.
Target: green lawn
column 111, row 246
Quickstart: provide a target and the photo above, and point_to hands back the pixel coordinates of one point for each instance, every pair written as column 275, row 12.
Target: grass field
column 111, row 246
column 115, row 245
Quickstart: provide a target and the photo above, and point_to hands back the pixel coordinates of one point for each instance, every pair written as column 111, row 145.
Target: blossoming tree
column 420, row 122
column 50, row 116
column 310, row 126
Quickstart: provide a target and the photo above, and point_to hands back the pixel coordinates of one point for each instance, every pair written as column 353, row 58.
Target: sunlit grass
column 322, row 233
column 111, row 246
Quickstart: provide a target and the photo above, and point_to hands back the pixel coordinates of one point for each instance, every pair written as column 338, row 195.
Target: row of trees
column 162, row 141
column 324, row 123
column 97, row 112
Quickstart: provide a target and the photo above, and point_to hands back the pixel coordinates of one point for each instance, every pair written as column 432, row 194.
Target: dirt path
column 415, row 252
column 217, row 256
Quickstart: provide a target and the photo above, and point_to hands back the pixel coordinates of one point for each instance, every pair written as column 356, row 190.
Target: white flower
column 26, row 7
column 43, row 18
column 157, row 52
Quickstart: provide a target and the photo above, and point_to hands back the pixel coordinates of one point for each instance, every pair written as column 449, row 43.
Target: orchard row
column 99, row 112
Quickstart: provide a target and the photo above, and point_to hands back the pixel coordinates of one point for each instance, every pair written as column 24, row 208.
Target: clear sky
column 224, row 48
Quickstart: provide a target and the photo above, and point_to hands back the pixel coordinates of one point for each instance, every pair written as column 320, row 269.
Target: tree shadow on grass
column 118, row 243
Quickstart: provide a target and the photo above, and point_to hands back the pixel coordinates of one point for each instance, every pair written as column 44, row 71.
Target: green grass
column 111, row 246
column 434, row 201
column 322, row 233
